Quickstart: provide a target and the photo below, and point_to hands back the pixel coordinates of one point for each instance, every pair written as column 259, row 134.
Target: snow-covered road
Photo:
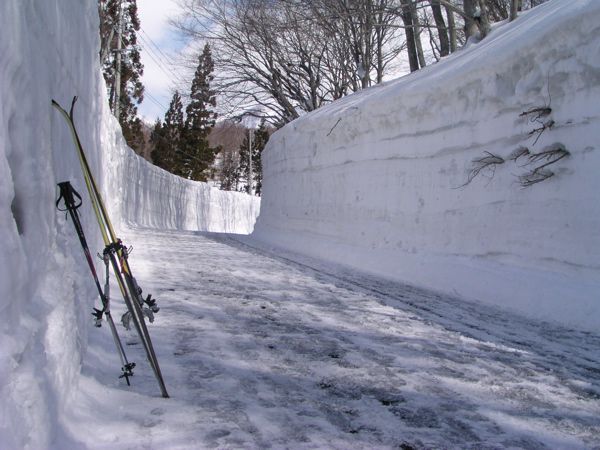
column 263, row 351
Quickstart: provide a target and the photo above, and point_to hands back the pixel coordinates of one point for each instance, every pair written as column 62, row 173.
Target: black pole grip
column 69, row 195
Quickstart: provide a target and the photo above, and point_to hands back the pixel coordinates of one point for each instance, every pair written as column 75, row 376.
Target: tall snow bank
column 377, row 180
column 46, row 51
column 152, row 197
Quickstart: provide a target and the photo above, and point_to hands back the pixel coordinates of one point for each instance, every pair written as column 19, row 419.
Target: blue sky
column 159, row 46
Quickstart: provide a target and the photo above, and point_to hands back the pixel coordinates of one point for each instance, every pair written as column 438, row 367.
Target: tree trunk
column 484, row 20
column 476, row 20
column 515, row 5
column 441, row 27
column 409, row 29
column 469, row 7
column 368, row 44
column 379, row 51
column 417, row 28
column 451, row 29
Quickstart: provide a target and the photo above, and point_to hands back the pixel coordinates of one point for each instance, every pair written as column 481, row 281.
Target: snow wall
column 377, row 180
column 49, row 49
column 155, row 198
column 46, row 51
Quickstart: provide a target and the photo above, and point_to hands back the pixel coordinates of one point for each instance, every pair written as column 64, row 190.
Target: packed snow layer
column 378, row 179
column 155, row 198
column 49, row 49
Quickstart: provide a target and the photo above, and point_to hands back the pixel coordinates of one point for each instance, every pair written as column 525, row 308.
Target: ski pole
column 69, row 195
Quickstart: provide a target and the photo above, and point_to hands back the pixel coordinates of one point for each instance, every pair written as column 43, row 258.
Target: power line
column 154, row 100
column 156, row 58
column 147, row 94
column 163, row 66
column 150, row 96
column 167, row 58
column 160, row 65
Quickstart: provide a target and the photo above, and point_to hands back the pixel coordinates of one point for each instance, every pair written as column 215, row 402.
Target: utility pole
column 250, row 174
column 117, row 89
column 249, row 120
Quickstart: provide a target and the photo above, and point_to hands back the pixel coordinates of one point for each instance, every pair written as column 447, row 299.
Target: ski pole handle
column 68, row 194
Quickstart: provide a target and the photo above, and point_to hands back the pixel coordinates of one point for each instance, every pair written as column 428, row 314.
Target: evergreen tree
column 166, row 138
column 260, row 137
column 174, row 126
column 124, row 12
column 229, row 172
column 196, row 153
column 158, row 143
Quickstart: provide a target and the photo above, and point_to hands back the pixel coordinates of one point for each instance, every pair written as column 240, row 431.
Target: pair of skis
column 115, row 255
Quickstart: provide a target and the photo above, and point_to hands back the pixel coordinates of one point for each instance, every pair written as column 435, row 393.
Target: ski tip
column 58, row 105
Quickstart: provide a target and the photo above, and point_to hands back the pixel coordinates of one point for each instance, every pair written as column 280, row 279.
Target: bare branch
column 549, row 156
column 545, row 126
column 516, row 154
column 535, row 176
column 335, row 125
column 537, row 113
column 488, row 162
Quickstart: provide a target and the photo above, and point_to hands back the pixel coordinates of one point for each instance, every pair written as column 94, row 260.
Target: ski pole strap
column 68, row 194
column 127, row 371
column 116, row 247
column 98, row 313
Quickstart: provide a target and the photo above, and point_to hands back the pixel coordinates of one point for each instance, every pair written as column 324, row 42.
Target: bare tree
column 293, row 56
column 261, row 57
column 228, row 136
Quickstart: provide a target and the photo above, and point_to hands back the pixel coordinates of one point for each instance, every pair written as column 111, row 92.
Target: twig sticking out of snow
column 549, row 156
column 535, row 176
column 535, row 114
column 333, row 127
column 489, row 162
column 545, row 126
column 516, row 154
column 541, row 160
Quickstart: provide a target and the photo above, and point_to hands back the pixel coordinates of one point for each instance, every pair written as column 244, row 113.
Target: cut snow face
column 476, row 176
column 160, row 200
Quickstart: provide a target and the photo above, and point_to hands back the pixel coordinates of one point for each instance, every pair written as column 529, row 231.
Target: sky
column 159, row 44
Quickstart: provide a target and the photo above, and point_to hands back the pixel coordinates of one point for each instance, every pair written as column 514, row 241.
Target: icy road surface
column 259, row 351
